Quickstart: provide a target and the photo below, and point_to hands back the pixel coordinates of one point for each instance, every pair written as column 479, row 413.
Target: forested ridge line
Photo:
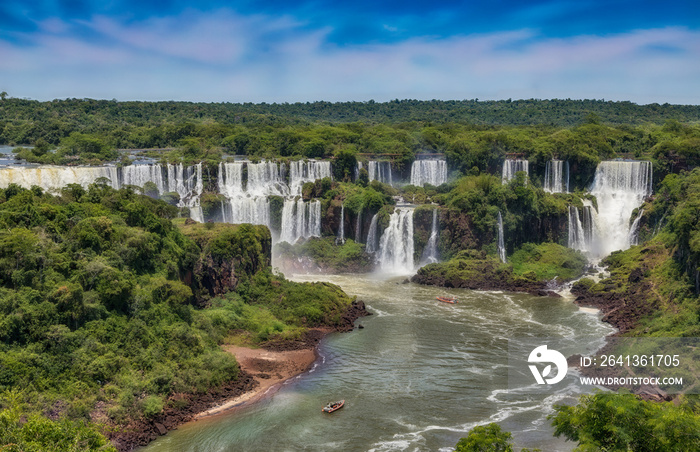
column 557, row 112
column 72, row 132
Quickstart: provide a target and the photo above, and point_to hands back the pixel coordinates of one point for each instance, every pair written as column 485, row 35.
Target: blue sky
column 288, row 51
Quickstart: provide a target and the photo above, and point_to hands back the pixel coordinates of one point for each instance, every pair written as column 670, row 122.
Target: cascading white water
column 372, row 236
column 188, row 184
column 581, row 226
column 501, row 241
column 300, row 220
column 139, row 175
column 230, row 179
column 512, row 166
column 633, row 238
column 430, row 253
column 242, row 209
column 249, row 202
column 556, row 176
column 396, row 245
column 380, row 171
column 52, row 178
column 303, row 171
column 241, row 206
column 266, row 178
column 433, row 172
column 619, row 187
column 186, row 181
column 358, row 227
column 340, row 239
column 576, row 235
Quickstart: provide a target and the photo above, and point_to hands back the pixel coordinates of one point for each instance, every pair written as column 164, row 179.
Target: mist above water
column 619, row 188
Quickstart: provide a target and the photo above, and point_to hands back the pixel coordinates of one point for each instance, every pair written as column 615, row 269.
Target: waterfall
column 301, row 172
column 358, row 227
column 556, row 176
column 501, row 245
column 300, row 220
column 372, row 235
column 53, row 178
column 265, row 179
column 577, row 239
column 249, row 202
column 433, row 172
column 633, row 238
column 139, row 175
column 381, row 171
column 396, row 245
column 230, row 179
column 512, row 166
column 242, row 209
column 188, row 184
column 186, row 181
column 341, row 230
column 430, row 253
column 581, row 227
column 620, row 187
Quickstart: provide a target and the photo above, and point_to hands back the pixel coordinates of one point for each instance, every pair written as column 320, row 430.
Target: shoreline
column 269, row 369
column 297, row 356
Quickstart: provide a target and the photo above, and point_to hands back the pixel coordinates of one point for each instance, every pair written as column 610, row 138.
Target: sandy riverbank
column 269, row 370
column 263, row 370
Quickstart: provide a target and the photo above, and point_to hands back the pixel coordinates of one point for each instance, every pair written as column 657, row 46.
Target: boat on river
column 446, row 300
column 333, row 406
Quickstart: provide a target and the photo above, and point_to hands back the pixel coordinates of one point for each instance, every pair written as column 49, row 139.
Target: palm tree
column 3, row 95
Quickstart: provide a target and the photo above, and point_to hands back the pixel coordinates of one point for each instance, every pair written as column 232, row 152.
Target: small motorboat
column 446, row 300
column 333, row 406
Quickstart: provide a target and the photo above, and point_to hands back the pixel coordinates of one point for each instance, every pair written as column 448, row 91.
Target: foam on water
column 417, row 377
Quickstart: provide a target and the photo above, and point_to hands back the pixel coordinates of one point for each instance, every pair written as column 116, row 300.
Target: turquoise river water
column 418, row 377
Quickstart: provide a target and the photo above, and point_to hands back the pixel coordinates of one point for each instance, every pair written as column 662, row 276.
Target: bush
column 485, row 438
column 151, row 405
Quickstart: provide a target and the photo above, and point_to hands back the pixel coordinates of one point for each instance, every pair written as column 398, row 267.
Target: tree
column 86, row 145
column 3, row 95
column 486, row 438
column 345, row 164
column 621, row 422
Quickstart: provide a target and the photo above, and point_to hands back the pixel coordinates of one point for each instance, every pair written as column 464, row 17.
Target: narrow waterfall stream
column 501, row 240
column 430, row 253
column 556, row 176
column 340, row 239
column 512, row 166
column 372, row 244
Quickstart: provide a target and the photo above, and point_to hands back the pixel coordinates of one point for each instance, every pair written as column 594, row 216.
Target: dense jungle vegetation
column 108, row 308
column 657, row 285
column 474, row 135
column 607, row 422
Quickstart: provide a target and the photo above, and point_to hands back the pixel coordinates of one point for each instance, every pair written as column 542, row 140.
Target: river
column 418, row 377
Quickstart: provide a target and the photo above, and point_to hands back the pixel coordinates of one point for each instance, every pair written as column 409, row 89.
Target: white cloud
column 223, row 56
